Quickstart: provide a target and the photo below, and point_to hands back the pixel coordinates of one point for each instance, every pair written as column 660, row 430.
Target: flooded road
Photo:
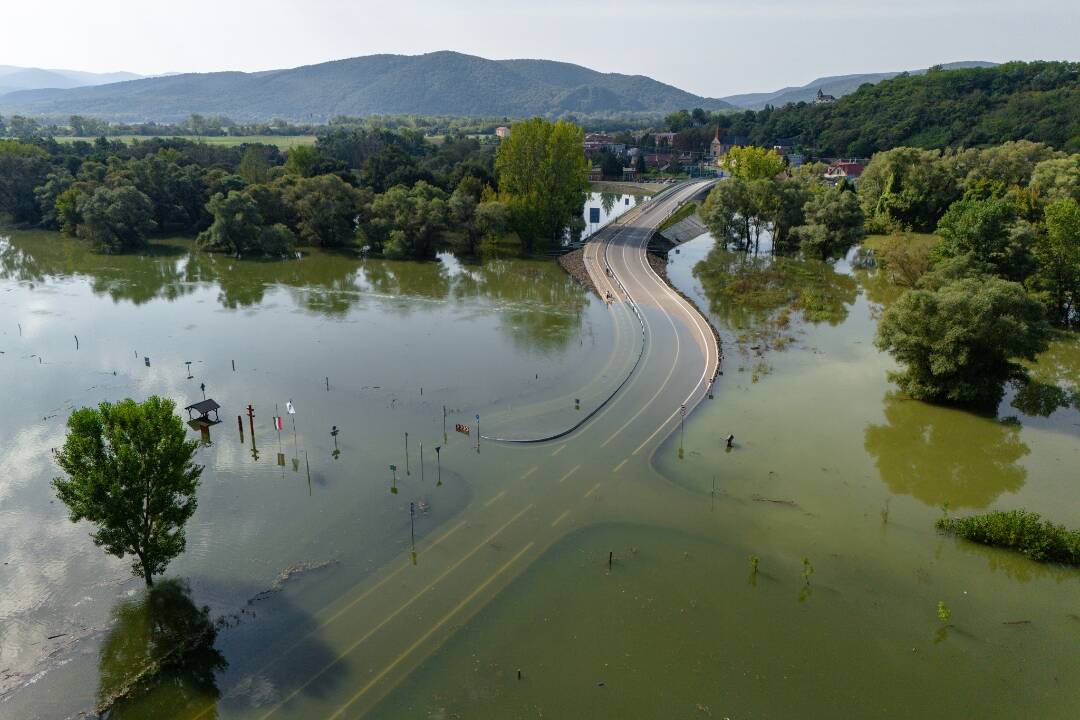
column 324, row 610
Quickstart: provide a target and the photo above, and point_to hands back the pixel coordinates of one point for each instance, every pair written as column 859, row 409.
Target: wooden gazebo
column 204, row 408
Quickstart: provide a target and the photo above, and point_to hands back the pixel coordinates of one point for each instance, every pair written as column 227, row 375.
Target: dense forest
column 972, row 107
column 389, row 192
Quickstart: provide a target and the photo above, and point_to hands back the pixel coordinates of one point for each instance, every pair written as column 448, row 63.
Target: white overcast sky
column 710, row 47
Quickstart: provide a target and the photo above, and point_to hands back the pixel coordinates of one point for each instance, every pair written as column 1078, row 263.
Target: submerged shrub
column 1018, row 530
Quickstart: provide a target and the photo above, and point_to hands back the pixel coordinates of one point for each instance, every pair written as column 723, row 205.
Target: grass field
column 284, row 142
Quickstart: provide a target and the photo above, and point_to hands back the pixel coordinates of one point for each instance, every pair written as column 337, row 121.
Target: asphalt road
column 361, row 644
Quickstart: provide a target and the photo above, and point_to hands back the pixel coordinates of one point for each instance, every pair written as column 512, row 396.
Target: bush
column 1018, row 530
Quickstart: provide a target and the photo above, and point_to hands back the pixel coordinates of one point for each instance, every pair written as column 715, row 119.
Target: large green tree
column 327, row 210
column 906, row 189
column 960, row 343
column 834, row 222
column 985, row 230
column 543, row 177
column 115, row 219
column 130, row 472
column 1057, row 255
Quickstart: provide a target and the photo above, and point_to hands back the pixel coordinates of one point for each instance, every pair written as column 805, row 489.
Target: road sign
column 394, row 468
column 477, row 417
column 594, row 215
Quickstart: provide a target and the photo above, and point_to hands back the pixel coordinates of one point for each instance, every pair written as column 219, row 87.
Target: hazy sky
column 710, row 47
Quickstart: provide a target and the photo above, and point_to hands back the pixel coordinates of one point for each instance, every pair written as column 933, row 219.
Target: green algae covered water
column 833, row 487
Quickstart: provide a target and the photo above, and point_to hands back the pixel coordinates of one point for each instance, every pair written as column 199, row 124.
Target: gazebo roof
column 203, row 406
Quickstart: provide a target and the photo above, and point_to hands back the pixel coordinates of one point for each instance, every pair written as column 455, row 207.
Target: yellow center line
column 530, row 471
column 398, row 611
column 353, row 603
column 572, row 471
column 431, row 631
column 495, row 499
column 561, row 448
column 619, row 466
column 559, row 519
column 594, row 489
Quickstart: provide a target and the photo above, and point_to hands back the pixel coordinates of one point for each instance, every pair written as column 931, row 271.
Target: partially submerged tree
column 130, row 472
column 834, row 222
column 959, row 343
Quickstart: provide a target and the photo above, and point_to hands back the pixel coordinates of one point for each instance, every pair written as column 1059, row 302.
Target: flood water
column 830, row 465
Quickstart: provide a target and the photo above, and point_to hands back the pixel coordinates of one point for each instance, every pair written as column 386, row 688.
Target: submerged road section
column 365, row 641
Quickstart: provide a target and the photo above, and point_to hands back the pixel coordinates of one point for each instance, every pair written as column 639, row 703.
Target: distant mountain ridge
column 440, row 83
column 14, row 78
column 837, row 86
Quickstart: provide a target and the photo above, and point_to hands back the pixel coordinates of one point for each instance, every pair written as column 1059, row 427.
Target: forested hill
column 836, row 85
column 1037, row 101
column 441, row 83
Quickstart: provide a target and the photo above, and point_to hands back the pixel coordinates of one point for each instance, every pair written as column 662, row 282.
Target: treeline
column 973, row 107
column 389, row 192
column 22, row 127
column 1003, row 261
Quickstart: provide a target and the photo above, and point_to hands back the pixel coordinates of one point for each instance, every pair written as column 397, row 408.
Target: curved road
column 366, row 641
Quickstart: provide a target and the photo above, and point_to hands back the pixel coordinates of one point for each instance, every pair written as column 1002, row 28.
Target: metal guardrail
column 637, row 361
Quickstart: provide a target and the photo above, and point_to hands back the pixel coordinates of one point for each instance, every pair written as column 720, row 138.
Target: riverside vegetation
column 980, row 249
column 387, row 192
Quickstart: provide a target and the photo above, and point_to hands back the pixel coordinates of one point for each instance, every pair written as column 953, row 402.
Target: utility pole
column 251, row 421
column 407, row 454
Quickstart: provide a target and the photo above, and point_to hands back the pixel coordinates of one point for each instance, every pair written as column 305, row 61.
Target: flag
column 278, row 423
column 289, row 408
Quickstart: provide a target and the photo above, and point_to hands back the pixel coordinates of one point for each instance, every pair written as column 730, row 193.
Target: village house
column 502, row 132
column 849, row 170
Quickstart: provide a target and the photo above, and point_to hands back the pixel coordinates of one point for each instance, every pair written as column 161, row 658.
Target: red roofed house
column 849, row 170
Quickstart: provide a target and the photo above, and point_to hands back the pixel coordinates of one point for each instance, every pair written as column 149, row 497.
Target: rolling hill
column 13, row 78
column 440, row 83
column 837, row 86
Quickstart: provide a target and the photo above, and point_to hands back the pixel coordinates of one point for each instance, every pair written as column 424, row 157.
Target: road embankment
column 574, row 264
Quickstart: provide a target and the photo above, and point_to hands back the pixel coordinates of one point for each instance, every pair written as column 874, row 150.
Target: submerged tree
column 959, row 344
column 130, row 472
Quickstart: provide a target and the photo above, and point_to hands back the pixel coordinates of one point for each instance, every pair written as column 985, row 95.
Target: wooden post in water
column 610, row 558
column 240, row 424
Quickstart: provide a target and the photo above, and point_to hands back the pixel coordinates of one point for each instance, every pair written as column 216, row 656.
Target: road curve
column 369, row 637
column 618, row 263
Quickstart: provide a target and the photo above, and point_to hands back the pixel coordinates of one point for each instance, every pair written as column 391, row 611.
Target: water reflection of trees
column 1055, row 379
column 158, row 659
column 939, row 455
column 540, row 305
column 746, row 289
column 607, row 201
column 37, row 256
